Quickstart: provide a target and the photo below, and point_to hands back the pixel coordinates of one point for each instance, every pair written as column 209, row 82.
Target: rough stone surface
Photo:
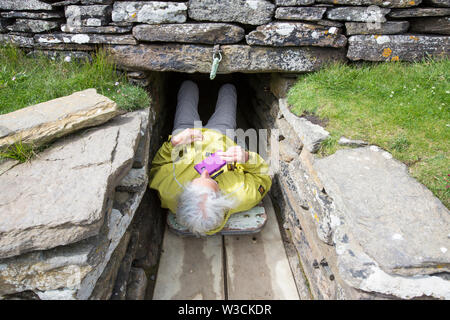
column 119, row 291
column 103, row 29
column 439, row 25
column 3, row 24
column 149, row 12
column 31, row 25
column 47, row 121
column 68, row 38
column 254, row 12
column 134, row 181
column 397, row 47
column 310, row 134
column 381, row 3
column 439, row 3
column 300, row 13
column 358, row 14
column 64, row 55
column 32, row 15
column 236, row 58
column 281, row 34
column 390, row 238
column 91, row 16
column 343, row 141
column 287, row 3
column 18, row 40
column 88, row 2
column 389, row 27
column 207, row 33
column 49, row 46
column 329, row 23
column 419, row 12
column 104, row 286
column 280, row 84
column 136, row 284
column 45, row 215
column 24, row 5
column 72, row 271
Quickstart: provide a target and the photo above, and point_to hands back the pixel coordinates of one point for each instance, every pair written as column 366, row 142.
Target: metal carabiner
column 217, row 57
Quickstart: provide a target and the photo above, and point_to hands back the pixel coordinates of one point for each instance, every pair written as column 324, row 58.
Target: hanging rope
column 217, row 57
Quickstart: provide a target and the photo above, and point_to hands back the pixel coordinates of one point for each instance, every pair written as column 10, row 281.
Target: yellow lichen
column 414, row 38
column 386, row 52
column 395, row 58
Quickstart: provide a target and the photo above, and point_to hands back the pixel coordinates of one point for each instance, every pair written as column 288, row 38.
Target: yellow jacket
column 248, row 182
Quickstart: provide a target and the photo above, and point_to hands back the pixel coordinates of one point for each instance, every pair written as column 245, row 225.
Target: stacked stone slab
column 66, row 218
column 362, row 226
column 179, row 36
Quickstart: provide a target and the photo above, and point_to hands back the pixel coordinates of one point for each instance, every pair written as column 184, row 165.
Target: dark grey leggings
column 223, row 118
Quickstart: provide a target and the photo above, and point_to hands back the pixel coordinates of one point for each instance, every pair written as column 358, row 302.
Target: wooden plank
column 257, row 265
column 190, row 269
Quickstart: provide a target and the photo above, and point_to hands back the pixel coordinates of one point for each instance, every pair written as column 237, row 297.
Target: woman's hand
column 234, row 154
column 187, row 136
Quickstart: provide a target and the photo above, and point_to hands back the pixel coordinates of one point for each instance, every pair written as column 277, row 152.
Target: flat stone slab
column 254, row 12
column 397, row 47
column 419, row 12
column 287, row 3
column 32, row 25
column 102, row 29
column 18, row 40
column 390, row 232
column 236, row 58
column 69, row 38
column 24, row 5
column 190, row 269
column 68, row 272
column 91, row 15
column 282, row 34
column 380, row 3
column 32, row 15
column 47, row 204
column 47, row 121
column 310, row 134
column 207, row 33
column 358, row 14
column 438, row 25
column 257, row 265
column 440, row 3
column 149, row 12
column 389, row 27
column 300, row 13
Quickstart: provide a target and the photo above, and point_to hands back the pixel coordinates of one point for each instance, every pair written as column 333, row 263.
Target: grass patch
column 26, row 81
column 401, row 107
column 18, row 151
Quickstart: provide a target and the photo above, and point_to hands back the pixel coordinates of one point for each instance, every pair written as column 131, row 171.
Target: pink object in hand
column 212, row 164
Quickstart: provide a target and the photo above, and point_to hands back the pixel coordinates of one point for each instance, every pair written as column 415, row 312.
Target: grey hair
column 201, row 214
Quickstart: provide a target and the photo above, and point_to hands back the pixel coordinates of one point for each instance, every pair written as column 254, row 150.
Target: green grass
column 18, row 151
column 401, row 107
column 25, row 81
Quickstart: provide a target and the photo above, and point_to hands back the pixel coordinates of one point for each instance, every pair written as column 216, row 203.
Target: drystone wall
column 255, row 36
